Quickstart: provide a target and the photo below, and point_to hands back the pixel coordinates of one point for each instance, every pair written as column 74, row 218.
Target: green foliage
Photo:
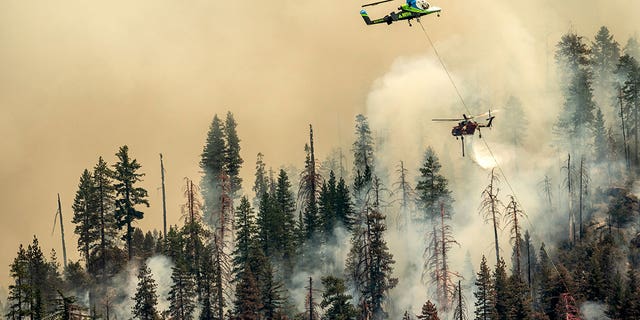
column 484, row 293
column 335, row 301
column 429, row 312
column 233, row 161
column 146, row 298
column 128, row 195
column 432, row 186
column 182, row 294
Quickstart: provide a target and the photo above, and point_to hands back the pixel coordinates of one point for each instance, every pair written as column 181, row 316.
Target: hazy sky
column 79, row 79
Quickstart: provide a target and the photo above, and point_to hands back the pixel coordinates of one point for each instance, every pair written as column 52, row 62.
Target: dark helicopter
column 467, row 126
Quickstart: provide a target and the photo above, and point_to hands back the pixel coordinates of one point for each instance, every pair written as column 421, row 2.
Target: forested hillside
column 352, row 236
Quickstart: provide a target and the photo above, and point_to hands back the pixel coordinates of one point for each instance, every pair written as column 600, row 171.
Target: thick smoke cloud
column 79, row 80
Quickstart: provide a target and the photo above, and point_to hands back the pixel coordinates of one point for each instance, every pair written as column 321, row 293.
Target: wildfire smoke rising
column 80, row 80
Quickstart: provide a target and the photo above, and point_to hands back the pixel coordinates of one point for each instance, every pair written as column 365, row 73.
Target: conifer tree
column 407, row 196
column 605, row 53
column 335, row 301
column 501, row 290
column 128, row 194
column 308, row 193
column 363, row 147
column 429, row 312
column 245, row 237
column 343, row 205
column 146, row 298
column 212, row 162
column 261, row 183
column 248, row 302
column 632, row 48
column 631, row 296
column 518, row 299
column 85, row 217
column 285, row 206
column 484, row 294
column 233, row 161
column 19, row 292
column 107, row 251
column 432, row 187
column 182, row 294
column 601, row 143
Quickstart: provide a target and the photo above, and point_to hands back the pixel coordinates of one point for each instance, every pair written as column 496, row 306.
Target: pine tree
column 601, row 145
column 326, row 207
column 285, row 206
column 106, row 251
column 308, row 193
column 19, row 292
column 37, row 271
column 335, row 301
column 248, row 302
column 363, row 147
column 518, row 301
column 605, row 53
column 261, row 184
column 233, row 161
column 343, row 205
column 128, row 195
column 381, row 268
column 432, row 187
column 484, row 294
column 631, row 296
column 146, row 299
column 212, row 162
column 85, row 217
column 429, row 312
column 182, row 294
column 628, row 71
column 246, row 232
column 501, row 290
column 632, row 48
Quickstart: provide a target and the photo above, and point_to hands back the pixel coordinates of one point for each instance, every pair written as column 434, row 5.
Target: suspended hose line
column 506, row 180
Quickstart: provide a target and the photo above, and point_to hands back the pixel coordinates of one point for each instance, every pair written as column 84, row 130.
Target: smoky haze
column 80, row 79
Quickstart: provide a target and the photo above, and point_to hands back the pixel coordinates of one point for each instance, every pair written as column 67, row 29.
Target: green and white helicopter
column 413, row 9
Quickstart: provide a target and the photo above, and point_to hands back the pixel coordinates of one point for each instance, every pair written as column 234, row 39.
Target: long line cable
column 506, row 180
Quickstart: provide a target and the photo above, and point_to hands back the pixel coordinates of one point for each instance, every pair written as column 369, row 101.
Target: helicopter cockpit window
column 422, row 4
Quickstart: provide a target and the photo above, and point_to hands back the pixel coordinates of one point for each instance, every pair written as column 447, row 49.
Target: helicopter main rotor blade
column 375, row 3
column 447, row 119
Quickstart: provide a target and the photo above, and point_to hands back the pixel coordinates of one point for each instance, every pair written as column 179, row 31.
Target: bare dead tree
column 513, row 217
column 407, row 196
column 491, row 208
column 437, row 263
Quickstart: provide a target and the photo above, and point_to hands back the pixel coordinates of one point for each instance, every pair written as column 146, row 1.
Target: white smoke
column 593, row 311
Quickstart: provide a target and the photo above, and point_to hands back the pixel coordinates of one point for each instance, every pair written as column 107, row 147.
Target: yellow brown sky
column 78, row 79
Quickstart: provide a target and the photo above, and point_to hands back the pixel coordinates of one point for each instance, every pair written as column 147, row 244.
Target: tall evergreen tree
column 432, row 187
column 336, row 301
column 285, row 206
column 85, row 217
column 20, row 291
column 245, row 237
column 212, row 162
column 501, row 291
column 182, row 294
column 128, row 194
column 233, row 161
column 106, row 251
column 146, row 298
column 605, row 53
column 484, row 294
column 632, row 48
column 363, row 146
column 248, row 302
column 429, row 312
column 261, row 183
